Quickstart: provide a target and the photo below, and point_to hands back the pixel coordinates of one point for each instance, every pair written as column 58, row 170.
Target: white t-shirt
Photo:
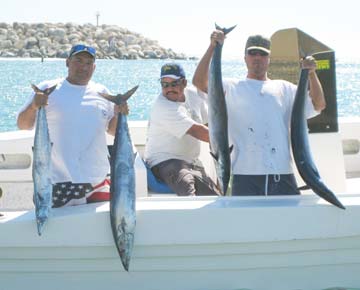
column 168, row 124
column 259, row 114
column 77, row 118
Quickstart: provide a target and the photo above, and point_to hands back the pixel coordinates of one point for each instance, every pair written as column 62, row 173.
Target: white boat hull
column 189, row 243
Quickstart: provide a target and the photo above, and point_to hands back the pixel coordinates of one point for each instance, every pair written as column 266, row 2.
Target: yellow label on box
column 322, row 64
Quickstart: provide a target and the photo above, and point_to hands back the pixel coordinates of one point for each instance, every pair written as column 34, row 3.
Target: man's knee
column 185, row 183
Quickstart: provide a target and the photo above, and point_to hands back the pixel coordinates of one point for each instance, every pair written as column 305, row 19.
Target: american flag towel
column 68, row 193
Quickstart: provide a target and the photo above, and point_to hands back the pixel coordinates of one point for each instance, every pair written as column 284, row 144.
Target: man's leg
column 244, row 185
column 204, row 185
column 177, row 174
column 284, row 184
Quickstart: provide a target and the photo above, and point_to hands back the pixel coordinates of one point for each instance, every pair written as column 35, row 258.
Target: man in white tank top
column 78, row 118
column 176, row 126
column 259, row 112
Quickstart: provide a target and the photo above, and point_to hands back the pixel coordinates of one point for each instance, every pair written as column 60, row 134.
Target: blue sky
column 185, row 26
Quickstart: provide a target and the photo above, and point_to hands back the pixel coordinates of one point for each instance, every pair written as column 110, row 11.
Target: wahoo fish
column 122, row 188
column 218, row 119
column 300, row 145
column 41, row 170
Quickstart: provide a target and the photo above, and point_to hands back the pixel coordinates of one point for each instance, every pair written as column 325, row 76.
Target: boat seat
column 155, row 184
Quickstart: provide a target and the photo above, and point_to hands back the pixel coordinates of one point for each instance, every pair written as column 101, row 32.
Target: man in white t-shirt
column 176, row 127
column 78, row 118
column 259, row 112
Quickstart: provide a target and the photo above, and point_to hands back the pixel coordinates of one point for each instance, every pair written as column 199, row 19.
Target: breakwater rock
column 55, row 40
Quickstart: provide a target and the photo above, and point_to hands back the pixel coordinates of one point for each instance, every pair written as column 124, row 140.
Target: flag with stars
column 68, row 193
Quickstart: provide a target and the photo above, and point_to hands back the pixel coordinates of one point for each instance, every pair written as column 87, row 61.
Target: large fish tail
column 120, row 98
column 223, row 29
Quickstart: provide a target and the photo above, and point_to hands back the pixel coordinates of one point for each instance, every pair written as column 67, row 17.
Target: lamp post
column 97, row 18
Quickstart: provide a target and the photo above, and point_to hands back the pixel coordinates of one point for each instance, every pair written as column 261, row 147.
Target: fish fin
column 231, row 148
column 119, row 98
column 304, row 187
column 129, row 93
column 35, row 88
column 110, row 98
column 214, row 156
column 223, row 29
column 48, row 91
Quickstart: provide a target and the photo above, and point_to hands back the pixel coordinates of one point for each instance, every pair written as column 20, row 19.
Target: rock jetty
column 55, row 40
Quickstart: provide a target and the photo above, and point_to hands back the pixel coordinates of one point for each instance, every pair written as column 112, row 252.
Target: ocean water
column 121, row 75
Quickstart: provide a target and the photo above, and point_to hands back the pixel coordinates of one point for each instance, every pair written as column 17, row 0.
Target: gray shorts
column 272, row 184
column 185, row 178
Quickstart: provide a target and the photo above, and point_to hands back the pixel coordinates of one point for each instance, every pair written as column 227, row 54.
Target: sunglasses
column 254, row 52
column 81, row 47
column 173, row 84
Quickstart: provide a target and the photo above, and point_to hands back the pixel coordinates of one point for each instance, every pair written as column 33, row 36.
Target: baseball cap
column 82, row 48
column 172, row 70
column 258, row 42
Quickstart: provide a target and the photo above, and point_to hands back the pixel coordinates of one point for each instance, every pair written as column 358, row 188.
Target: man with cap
column 78, row 118
column 259, row 112
column 176, row 127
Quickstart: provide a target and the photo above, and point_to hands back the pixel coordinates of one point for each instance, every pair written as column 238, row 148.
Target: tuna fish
column 122, row 202
column 41, row 170
column 218, row 126
column 300, row 145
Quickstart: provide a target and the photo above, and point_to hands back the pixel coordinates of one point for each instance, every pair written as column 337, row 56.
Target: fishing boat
column 192, row 243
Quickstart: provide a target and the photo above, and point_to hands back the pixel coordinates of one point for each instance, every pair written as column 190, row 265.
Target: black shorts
column 272, row 184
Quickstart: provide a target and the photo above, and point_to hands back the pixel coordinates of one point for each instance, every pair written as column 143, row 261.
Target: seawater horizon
column 16, row 74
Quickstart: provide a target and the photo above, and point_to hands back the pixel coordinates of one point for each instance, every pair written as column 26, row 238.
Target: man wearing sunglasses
column 176, row 128
column 78, row 118
column 259, row 112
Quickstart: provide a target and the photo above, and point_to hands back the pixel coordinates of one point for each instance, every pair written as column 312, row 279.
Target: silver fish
column 122, row 202
column 301, row 148
column 41, row 170
column 218, row 119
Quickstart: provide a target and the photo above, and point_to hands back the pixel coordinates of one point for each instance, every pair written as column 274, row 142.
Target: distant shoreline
column 54, row 40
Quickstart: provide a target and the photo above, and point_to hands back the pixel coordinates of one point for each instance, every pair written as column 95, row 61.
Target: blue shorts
column 272, row 184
